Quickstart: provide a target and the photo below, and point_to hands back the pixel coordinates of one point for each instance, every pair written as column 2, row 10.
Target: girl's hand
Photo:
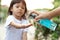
column 28, row 25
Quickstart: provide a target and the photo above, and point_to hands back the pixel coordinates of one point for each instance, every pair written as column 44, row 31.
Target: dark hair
column 14, row 2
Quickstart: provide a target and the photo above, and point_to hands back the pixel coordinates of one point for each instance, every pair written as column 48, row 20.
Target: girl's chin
column 18, row 16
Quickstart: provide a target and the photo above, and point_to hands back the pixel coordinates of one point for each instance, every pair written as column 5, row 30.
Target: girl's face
column 18, row 9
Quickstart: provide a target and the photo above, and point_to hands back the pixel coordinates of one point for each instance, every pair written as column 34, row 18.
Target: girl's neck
column 17, row 17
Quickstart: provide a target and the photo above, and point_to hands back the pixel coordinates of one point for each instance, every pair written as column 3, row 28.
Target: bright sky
column 34, row 4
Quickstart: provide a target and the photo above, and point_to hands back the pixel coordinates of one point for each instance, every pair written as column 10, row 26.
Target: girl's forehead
column 20, row 4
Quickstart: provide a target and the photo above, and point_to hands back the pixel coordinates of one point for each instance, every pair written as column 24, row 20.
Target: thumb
column 37, row 18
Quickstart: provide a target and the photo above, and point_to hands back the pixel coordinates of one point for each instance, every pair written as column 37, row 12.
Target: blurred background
column 41, row 33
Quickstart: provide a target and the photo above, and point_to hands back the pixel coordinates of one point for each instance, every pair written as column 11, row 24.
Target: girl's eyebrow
column 17, row 4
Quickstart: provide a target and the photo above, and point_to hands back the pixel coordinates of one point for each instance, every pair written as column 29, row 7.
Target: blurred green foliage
column 0, row 5
column 3, row 13
column 56, row 3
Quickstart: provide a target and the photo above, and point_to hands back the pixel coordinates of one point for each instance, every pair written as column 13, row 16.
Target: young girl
column 16, row 23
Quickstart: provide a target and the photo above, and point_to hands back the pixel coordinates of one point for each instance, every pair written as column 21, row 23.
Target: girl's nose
column 20, row 8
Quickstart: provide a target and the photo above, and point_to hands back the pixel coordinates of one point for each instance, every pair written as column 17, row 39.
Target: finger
column 37, row 18
column 30, row 24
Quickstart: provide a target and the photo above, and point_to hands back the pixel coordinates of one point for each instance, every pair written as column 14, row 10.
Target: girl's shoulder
column 10, row 17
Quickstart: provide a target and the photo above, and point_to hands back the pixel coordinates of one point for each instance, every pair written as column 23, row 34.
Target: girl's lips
column 19, row 12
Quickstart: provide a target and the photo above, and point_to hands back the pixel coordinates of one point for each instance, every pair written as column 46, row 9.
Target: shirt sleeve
column 8, row 20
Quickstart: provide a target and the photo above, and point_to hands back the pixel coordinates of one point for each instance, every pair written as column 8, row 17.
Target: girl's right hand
column 28, row 25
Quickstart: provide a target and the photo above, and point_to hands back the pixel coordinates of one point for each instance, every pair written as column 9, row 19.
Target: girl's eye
column 22, row 8
column 17, row 6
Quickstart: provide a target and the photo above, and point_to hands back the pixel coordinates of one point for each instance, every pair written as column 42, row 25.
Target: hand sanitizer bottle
column 45, row 22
